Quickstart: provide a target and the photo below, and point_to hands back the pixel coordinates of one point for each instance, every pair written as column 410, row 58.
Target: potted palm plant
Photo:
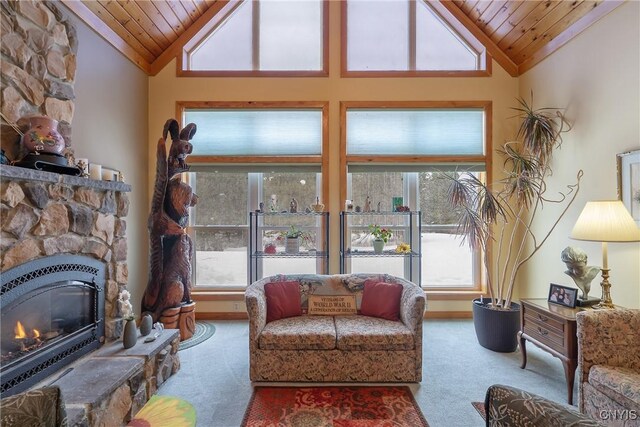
column 502, row 213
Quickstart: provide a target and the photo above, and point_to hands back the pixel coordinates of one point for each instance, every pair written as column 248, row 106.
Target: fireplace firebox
column 52, row 313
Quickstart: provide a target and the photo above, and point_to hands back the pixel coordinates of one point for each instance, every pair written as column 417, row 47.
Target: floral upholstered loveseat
column 609, row 365
column 341, row 348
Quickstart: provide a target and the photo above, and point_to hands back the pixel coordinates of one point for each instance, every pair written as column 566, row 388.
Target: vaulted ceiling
column 518, row 34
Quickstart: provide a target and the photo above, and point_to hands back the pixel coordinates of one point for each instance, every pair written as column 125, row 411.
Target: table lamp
column 605, row 221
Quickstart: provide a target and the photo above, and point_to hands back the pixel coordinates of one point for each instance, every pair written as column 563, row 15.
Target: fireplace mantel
column 23, row 174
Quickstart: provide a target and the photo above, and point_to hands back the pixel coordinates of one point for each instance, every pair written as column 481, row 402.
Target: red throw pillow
column 283, row 300
column 381, row 300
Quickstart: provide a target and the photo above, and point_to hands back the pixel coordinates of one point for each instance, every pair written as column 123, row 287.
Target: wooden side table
column 551, row 327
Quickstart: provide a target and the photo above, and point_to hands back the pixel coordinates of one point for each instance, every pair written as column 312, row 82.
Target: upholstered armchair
column 609, row 365
column 511, row 407
column 42, row 407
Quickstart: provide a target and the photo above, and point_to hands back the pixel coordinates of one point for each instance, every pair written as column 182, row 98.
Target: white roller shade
column 418, row 132
column 261, row 132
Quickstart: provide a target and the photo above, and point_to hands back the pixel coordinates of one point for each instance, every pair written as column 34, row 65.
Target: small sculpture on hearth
column 293, row 206
column 125, row 309
column 168, row 294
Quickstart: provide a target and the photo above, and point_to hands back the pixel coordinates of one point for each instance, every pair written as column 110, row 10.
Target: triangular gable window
column 408, row 36
column 262, row 36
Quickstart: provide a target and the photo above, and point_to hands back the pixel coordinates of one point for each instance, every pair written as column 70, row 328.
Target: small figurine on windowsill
column 273, row 203
column 367, row 205
column 293, row 206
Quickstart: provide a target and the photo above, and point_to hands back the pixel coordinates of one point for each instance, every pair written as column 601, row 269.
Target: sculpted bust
column 578, row 270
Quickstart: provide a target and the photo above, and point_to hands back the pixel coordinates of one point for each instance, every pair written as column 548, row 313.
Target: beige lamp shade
column 605, row 221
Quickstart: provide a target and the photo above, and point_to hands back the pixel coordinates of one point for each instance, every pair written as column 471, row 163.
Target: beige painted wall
column 165, row 89
column 596, row 78
column 110, row 128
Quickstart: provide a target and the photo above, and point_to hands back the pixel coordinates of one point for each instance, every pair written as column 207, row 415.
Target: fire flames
column 21, row 333
column 26, row 340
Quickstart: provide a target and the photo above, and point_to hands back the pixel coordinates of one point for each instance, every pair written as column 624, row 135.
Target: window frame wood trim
column 487, row 158
column 448, row 17
column 182, row 58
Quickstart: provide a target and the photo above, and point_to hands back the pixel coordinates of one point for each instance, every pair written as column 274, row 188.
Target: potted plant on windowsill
column 380, row 237
column 503, row 213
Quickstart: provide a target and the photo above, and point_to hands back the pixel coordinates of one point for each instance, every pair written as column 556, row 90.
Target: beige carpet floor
column 214, row 376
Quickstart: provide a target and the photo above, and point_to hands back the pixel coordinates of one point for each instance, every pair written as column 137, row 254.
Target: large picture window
column 253, row 37
column 412, row 150
column 245, row 154
column 219, row 222
column 407, row 37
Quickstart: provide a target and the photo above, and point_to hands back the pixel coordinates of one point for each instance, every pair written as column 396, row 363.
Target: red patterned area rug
column 333, row 407
column 480, row 408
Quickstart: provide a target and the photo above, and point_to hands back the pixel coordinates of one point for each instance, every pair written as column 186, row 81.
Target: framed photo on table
column 629, row 182
column 563, row 295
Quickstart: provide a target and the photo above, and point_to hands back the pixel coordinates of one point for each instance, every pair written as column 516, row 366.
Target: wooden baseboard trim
column 222, row 316
column 448, row 315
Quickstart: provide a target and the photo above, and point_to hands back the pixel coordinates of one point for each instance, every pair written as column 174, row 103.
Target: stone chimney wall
column 38, row 52
column 44, row 213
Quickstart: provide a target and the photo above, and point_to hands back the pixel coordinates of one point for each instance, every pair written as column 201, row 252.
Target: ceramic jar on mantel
column 43, row 136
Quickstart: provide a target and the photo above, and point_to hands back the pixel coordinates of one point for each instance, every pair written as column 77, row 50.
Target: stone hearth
column 109, row 386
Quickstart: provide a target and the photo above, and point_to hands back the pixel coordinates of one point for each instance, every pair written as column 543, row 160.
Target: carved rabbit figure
column 171, row 249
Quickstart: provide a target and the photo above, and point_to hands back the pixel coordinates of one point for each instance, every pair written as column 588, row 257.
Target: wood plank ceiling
column 517, row 33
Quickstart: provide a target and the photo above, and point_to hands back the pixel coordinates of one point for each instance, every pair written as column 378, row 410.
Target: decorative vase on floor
column 130, row 335
column 378, row 246
column 292, row 245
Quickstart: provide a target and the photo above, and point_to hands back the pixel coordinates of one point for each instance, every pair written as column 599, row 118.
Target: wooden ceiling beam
column 94, row 22
column 493, row 49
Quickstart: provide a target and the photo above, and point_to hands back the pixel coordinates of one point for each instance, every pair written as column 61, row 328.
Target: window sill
column 217, row 296
column 449, row 295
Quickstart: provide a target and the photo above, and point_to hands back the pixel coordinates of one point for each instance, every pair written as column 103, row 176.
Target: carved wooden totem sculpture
column 168, row 294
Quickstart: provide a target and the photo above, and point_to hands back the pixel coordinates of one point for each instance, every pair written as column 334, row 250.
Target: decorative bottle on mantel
column 43, row 136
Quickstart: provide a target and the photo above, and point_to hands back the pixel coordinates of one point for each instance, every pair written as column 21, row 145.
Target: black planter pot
column 496, row 329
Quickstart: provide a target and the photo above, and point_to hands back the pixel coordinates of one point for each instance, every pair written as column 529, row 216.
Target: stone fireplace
column 64, row 262
column 63, row 257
